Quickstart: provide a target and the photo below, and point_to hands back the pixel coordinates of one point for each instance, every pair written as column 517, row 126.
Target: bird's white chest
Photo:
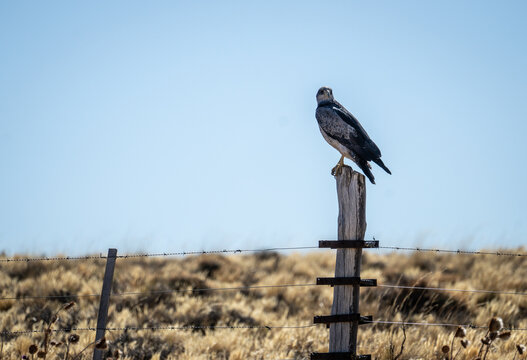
column 340, row 148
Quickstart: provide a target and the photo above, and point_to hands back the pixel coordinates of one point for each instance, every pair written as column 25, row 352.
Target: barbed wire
column 232, row 327
column 224, row 251
column 237, row 251
column 453, row 251
column 32, row 297
column 254, row 287
column 140, row 328
column 163, row 254
column 455, row 290
column 404, row 323
column 53, row 258
column 235, row 288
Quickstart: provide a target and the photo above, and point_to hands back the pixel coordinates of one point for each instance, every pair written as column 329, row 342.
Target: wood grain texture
column 351, row 192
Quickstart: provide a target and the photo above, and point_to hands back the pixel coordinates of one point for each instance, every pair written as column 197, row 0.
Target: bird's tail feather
column 366, row 170
column 381, row 164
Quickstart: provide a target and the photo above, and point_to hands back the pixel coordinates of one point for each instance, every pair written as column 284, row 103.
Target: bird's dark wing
column 369, row 150
column 346, row 129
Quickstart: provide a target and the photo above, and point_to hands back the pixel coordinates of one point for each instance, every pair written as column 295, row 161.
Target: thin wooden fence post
column 102, row 318
column 345, row 317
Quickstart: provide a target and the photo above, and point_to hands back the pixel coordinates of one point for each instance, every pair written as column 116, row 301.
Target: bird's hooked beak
column 324, row 94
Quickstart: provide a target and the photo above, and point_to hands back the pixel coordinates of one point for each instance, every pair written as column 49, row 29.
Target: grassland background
column 271, row 306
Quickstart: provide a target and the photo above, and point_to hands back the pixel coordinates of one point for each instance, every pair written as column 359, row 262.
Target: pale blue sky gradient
column 173, row 125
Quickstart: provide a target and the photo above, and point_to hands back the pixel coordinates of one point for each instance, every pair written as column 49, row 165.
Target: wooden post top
column 351, row 193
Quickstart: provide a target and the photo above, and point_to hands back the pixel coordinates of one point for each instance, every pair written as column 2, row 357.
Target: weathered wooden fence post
column 102, row 318
column 345, row 317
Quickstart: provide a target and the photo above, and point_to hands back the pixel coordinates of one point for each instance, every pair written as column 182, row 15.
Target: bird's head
column 324, row 94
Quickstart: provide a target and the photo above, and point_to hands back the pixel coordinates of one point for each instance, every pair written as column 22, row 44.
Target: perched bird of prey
column 344, row 132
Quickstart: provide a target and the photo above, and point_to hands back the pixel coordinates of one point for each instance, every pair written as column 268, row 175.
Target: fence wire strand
column 254, row 287
column 404, row 323
column 164, row 291
column 151, row 328
column 454, row 290
column 163, row 254
column 453, row 251
column 239, row 251
column 233, row 327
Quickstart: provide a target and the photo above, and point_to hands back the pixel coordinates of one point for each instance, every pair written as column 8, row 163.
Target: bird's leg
column 338, row 168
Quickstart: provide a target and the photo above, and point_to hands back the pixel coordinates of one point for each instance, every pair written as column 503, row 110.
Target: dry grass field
column 262, row 307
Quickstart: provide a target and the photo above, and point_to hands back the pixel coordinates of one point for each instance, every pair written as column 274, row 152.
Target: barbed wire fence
column 269, row 327
column 259, row 250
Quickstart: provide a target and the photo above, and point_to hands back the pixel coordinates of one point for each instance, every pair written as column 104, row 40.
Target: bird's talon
column 337, row 170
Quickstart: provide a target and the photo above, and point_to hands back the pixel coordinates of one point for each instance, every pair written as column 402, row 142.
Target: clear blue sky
column 174, row 125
